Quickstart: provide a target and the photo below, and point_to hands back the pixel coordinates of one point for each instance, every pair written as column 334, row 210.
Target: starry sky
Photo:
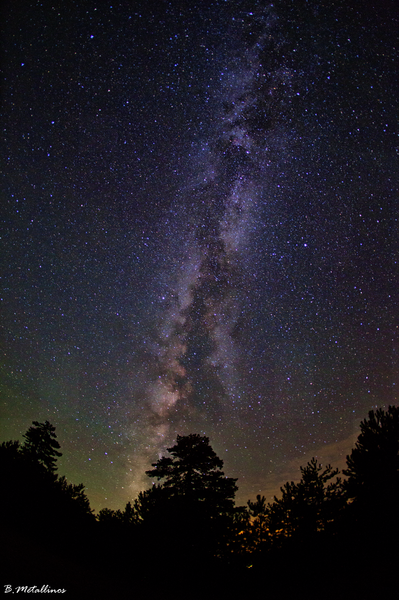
column 199, row 232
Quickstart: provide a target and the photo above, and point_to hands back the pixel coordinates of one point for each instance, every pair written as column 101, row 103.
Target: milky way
column 199, row 226
column 197, row 376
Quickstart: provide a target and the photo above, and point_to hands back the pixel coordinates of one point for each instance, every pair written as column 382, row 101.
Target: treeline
column 185, row 536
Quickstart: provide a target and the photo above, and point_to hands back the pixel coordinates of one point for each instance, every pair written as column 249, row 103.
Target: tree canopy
column 307, row 507
column 188, row 524
column 373, row 465
column 35, row 493
column 194, row 471
column 41, row 443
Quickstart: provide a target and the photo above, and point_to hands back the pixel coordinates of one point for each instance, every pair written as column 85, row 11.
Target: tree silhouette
column 74, row 497
column 372, row 485
column 373, row 465
column 41, row 444
column 307, row 507
column 36, row 498
column 194, row 471
column 119, row 517
column 256, row 533
column 192, row 509
column 150, row 503
column 257, row 508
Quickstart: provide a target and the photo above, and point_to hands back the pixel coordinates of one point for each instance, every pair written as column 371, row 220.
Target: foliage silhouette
column 188, row 524
column 256, row 534
column 194, row 504
column 149, row 503
column 42, row 445
column 195, row 472
column 118, row 518
column 373, row 465
column 307, row 507
column 372, row 486
column 36, row 498
column 257, row 508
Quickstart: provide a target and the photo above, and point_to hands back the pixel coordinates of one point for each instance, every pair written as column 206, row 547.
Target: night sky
column 199, row 232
